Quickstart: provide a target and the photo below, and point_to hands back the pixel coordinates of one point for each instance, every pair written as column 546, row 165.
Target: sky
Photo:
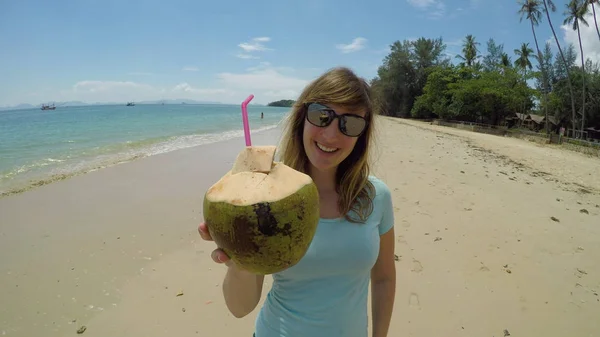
column 135, row 50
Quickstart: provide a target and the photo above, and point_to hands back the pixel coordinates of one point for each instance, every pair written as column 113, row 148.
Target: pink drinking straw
column 245, row 119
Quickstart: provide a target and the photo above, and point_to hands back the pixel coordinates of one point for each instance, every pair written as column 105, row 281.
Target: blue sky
column 102, row 51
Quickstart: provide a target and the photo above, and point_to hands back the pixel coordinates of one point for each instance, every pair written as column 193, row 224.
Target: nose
column 332, row 130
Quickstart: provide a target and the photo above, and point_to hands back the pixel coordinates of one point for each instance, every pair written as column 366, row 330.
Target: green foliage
column 403, row 74
column 559, row 104
column 494, row 58
column 418, row 80
column 287, row 103
column 470, row 52
column 436, row 97
column 489, row 97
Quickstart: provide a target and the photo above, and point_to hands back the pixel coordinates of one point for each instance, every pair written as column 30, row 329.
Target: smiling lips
column 325, row 148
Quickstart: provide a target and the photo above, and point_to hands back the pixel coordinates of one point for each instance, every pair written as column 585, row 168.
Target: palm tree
column 505, row 60
column 522, row 62
column 523, row 57
column 591, row 2
column 549, row 3
column 575, row 13
column 531, row 9
column 469, row 50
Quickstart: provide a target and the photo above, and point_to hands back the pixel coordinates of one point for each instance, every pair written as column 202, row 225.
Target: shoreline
column 23, row 185
column 69, row 248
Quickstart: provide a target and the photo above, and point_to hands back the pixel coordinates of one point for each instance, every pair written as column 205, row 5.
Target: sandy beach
column 495, row 236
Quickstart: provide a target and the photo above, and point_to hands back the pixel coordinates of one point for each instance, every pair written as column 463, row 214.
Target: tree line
column 282, row 103
column 417, row 79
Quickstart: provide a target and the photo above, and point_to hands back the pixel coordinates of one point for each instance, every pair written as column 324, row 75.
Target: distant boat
column 48, row 107
column 130, row 104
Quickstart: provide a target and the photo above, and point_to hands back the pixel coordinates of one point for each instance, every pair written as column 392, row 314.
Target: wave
column 48, row 170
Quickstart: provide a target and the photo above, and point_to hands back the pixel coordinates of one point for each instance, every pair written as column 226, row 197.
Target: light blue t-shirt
column 325, row 294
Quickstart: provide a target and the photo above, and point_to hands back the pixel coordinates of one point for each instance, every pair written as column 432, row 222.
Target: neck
column 325, row 180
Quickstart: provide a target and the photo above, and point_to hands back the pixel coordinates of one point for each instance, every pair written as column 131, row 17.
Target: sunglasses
column 349, row 124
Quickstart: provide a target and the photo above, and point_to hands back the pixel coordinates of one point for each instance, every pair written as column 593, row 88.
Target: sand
column 478, row 249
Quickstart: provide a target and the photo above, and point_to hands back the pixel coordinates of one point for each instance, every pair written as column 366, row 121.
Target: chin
column 324, row 167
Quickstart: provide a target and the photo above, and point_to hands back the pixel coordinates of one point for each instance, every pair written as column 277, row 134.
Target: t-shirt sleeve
column 387, row 218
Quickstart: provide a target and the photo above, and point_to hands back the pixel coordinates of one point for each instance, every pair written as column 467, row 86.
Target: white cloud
column 262, row 79
column 267, row 65
column 186, row 88
column 246, row 56
column 280, row 94
column 100, row 86
column 457, row 42
column 356, row 45
column 435, row 8
column 589, row 38
column 439, row 11
column 190, row 69
column 121, row 91
column 421, row 3
column 250, row 47
column 265, row 81
column 256, row 44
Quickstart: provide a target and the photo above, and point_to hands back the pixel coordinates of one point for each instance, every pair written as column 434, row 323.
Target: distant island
column 286, row 103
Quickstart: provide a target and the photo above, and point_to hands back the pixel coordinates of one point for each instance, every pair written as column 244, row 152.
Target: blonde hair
column 338, row 86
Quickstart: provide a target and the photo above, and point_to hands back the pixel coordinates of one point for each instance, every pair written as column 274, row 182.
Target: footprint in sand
column 413, row 300
column 417, row 267
column 405, row 224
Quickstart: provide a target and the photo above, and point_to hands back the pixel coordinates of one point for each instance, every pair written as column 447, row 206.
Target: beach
column 495, row 236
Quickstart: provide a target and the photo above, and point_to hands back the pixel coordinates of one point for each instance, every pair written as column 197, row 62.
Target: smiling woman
column 328, row 136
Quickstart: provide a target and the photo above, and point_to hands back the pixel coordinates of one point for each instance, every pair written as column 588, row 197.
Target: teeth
column 326, row 149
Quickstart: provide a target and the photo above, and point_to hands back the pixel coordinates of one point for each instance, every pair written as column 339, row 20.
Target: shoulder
column 381, row 188
column 382, row 205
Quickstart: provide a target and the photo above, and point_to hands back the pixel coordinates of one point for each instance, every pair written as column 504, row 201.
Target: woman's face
column 326, row 147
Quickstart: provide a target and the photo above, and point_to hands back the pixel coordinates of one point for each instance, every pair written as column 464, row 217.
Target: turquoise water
column 37, row 146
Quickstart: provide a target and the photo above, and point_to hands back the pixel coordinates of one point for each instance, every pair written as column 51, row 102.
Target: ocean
column 41, row 146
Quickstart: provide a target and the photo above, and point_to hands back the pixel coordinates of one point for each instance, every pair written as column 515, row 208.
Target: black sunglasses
column 349, row 124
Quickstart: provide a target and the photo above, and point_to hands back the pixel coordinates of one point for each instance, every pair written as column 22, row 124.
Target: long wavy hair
column 340, row 86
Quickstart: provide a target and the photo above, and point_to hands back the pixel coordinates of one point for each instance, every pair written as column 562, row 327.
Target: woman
column 325, row 294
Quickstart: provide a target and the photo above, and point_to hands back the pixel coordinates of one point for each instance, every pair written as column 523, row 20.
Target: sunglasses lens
column 352, row 126
column 318, row 115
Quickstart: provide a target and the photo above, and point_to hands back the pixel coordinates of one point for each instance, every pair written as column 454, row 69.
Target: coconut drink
column 263, row 214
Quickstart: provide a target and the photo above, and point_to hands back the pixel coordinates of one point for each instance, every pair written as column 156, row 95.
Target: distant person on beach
column 262, row 115
column 325, row 294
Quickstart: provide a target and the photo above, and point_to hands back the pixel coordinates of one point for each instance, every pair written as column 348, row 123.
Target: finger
column 219, row 256
column 203, row 230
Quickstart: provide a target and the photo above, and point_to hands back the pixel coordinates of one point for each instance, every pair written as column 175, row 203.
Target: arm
column 383, row 285
column 241, row 290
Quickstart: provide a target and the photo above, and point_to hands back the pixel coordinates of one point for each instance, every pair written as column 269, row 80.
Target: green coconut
column 262, row 213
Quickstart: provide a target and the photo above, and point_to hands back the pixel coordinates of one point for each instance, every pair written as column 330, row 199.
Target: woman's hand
column 218, row 255
column 241, row 289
